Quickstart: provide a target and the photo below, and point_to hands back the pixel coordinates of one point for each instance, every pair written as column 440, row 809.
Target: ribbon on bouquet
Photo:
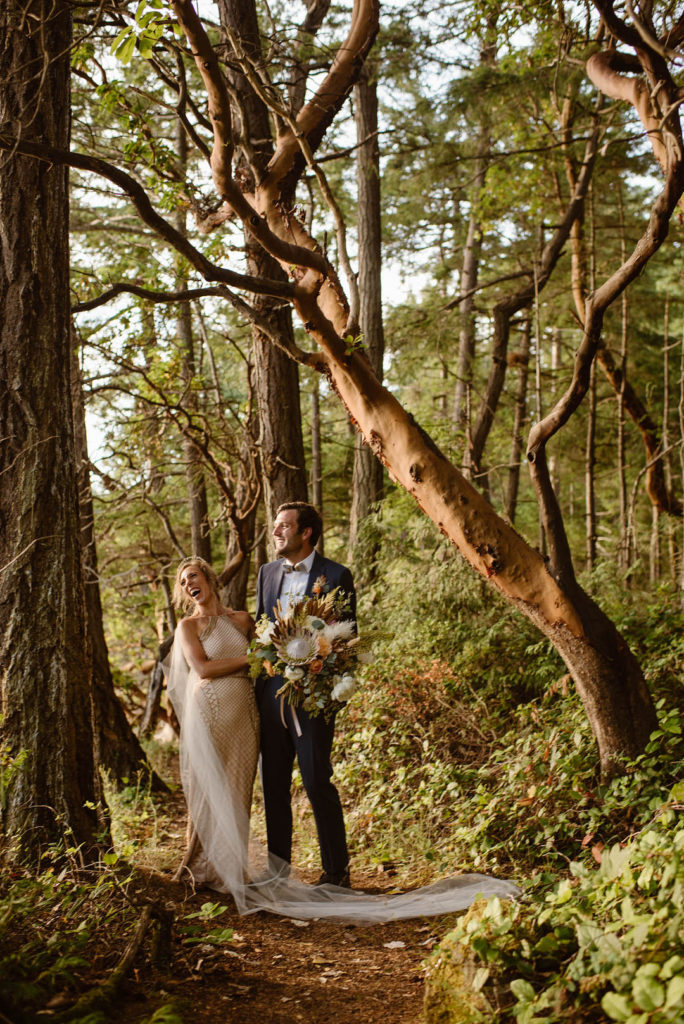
column 298, row 728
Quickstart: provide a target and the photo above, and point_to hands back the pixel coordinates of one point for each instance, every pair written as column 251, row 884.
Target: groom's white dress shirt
column 294, row 583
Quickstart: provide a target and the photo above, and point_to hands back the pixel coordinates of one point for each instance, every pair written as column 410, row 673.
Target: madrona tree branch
column 142, row 203
column 597, row 303
column 285, row 251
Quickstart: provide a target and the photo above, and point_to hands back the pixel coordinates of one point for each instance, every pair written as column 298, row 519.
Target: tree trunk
column 625, row 552
column 281, row 441
column 117, row 748
column 45, row 660
column 198, row 505
column 556, row 361
column 521, row 361
column 468, row 287
column 194, row 471
column 680, row 416
column 589, row 482
column 235, row 577
column 672, row 551
column 367, row 473
column 654, row 548
column 316, row 458
column 539, row 402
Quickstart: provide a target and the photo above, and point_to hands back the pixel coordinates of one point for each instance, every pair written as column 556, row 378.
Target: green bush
column 606, row 942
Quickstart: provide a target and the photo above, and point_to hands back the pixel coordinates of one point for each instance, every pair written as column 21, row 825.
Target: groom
column 296, row 531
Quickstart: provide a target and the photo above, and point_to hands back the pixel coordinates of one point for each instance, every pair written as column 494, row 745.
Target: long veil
column 248, row 874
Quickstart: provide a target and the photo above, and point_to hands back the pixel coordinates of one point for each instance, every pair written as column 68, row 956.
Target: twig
column 105, row 994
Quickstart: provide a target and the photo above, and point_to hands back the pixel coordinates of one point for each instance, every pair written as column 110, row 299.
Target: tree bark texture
column 367, row 473
column 589, row 478
column 469, row 278
column 198, row 506
column 522, row 358
column 45, row 660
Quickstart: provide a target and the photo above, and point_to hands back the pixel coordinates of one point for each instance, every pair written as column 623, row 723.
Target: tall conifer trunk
column 367, row 475
column 45, row 661
column 276, row 376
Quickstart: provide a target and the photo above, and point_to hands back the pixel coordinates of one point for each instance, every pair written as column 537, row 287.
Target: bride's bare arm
column 206, row 668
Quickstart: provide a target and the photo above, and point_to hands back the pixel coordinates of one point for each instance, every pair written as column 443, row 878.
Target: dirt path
column 278, row 971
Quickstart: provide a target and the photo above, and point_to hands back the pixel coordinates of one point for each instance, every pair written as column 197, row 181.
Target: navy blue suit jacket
column 270, row 579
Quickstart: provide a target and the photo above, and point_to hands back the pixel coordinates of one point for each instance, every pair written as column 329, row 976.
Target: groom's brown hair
column 307, row 517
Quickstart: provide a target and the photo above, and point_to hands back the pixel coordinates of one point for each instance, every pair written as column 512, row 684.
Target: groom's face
column 288, row 541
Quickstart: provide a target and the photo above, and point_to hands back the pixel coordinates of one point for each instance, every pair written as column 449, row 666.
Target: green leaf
column 617, row 1007
column 648, row 993
column 146, row 47
column 677, row 793
column 127, row 49
column 522, row 990
column 123, row 34
column 673, row 965
column 675, row 991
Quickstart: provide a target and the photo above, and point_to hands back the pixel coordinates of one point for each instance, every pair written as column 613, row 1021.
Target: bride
column 212, row 695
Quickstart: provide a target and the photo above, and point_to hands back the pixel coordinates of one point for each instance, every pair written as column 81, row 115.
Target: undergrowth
column 470, row 750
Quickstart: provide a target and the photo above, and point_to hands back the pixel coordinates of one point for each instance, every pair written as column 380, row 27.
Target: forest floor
column 277, row 970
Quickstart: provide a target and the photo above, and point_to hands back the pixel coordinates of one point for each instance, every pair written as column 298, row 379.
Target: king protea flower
column 297, row 650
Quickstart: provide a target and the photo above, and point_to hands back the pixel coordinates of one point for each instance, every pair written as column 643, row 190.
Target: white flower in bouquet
column 264, row 632
column 339, row 630
column 345, row 688
column 293, row 673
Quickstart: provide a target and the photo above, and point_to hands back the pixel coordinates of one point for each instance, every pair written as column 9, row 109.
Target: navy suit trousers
column 279, row 746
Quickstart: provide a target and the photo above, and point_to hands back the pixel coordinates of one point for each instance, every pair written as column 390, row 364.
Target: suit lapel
column 273, row 590
column 315, row 572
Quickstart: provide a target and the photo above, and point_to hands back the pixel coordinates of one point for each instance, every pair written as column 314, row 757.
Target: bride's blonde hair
column 183, row 600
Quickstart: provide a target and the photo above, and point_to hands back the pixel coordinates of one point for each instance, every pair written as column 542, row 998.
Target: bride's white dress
column 218, row 753
column 229, row 716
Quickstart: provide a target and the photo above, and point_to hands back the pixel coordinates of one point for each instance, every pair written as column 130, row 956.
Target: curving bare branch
column 136, row 193
column 609, row 72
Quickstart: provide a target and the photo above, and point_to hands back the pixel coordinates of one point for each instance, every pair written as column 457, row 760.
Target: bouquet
column 316, row 650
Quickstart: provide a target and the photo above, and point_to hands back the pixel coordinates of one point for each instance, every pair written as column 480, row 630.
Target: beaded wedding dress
column 218, row 755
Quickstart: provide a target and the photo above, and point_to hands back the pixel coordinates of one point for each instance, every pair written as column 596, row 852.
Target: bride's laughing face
column 195, row 584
